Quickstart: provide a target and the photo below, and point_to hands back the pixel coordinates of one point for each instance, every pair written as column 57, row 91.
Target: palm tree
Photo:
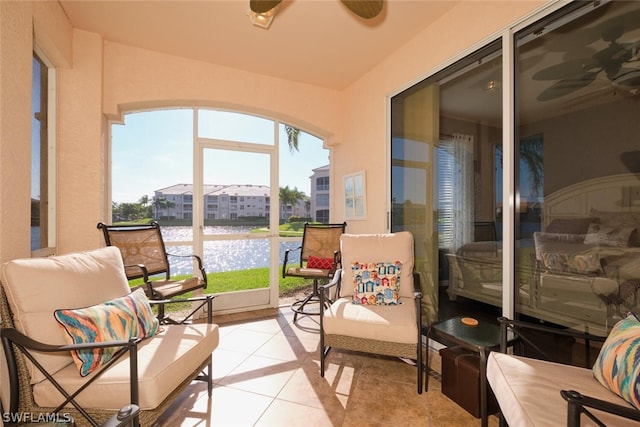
column 291, row 196
column 162, row 203
column 531, row 155
column 292, row 137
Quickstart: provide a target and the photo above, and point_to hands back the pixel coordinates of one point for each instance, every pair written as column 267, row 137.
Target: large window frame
column 206, row 135
column 43, row 158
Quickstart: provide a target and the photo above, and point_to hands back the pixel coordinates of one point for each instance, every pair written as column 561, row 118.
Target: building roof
column 209, row 189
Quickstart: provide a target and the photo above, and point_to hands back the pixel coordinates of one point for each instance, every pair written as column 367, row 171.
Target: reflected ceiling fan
column 365, row 9
column 614, row 60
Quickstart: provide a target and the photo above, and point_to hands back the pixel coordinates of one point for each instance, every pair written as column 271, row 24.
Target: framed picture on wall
column 355, row 202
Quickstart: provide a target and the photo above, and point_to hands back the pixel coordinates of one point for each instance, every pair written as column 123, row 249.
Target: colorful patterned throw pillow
column 617, row 366
column 119, row 319
column 320, row 263
column 376, row 283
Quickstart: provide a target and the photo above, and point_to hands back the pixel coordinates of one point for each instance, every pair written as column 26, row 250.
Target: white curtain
column 455, row 191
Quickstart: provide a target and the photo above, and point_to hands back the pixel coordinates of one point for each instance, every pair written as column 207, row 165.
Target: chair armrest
column 179, row 300
column 335, row 281
column 126, row 416
column 286, row 259
column 325, row 290
column 196, row 257
column 204, row 299
column 517, row 326
column 145, row 276
column 18, row 338
column 337, row 260
column 578, row 402
column 417, row 288
column 199, row 262
column 12, row 339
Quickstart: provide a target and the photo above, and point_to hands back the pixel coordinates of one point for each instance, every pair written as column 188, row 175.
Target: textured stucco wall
column 23, row 24
column 99, row 80
column 81, row 165
column 15, row 128
column 137, row 79
column 366, row 130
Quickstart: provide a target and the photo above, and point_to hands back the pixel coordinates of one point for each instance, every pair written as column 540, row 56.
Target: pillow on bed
column 609, row 235
column 572, row 263
column 585, row 264
column 616, row 367
column 619, row 218
column 566, row 253
column 610, row 218
column 570, row 225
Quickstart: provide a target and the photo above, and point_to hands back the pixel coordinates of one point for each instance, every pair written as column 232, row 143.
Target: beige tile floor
column 266, row 374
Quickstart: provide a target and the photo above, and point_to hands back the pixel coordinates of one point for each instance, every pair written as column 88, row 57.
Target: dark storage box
column 461, row 380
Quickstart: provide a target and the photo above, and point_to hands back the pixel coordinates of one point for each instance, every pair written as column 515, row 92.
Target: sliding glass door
column 445, row 133
column 523, row 187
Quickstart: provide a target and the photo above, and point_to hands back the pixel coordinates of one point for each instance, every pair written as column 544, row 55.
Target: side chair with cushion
column 540, row 392
column 377, row 300
column 318, row 260
column 77, row 340
column 145, row 256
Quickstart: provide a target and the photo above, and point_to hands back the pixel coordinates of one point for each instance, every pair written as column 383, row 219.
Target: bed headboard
column 613, row 193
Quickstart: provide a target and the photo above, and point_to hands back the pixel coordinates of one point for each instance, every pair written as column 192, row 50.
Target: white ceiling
column 319, row 42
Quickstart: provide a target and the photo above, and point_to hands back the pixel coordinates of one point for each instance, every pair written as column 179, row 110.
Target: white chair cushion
column 163, row 363
column 395, row 323
column 35, row 287
column 388, row 247
column 528, row 391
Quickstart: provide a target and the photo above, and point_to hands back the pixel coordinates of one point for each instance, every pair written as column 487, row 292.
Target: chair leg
column 161, row 315
column 210, row 378
column 314, row 297
column 323, row 356
column 420, row 368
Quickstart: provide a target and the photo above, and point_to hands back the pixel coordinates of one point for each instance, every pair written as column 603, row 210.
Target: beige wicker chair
column 389, row 327
column 319, row 258
column 43, row 378
column 145, row 256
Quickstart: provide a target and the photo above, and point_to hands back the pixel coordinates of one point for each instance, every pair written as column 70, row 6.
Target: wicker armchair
column 381, row 321
column 44, row 378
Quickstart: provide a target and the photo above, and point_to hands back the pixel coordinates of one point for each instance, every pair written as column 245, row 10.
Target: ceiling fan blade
column 568, row 69
column 565, row 87
column 262, row 6
column 366, row 9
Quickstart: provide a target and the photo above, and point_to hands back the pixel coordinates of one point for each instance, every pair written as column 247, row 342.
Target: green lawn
column 240, row 280
column 253, row 278
column 237, row 281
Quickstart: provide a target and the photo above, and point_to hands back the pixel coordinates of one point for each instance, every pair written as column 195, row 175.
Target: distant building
column 301, row 209
column 320, row 194
column 222, row 202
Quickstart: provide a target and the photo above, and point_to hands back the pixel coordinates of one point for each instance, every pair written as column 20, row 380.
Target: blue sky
column 153, row 150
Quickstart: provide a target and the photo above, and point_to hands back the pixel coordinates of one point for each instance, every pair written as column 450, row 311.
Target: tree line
column 146, row 206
